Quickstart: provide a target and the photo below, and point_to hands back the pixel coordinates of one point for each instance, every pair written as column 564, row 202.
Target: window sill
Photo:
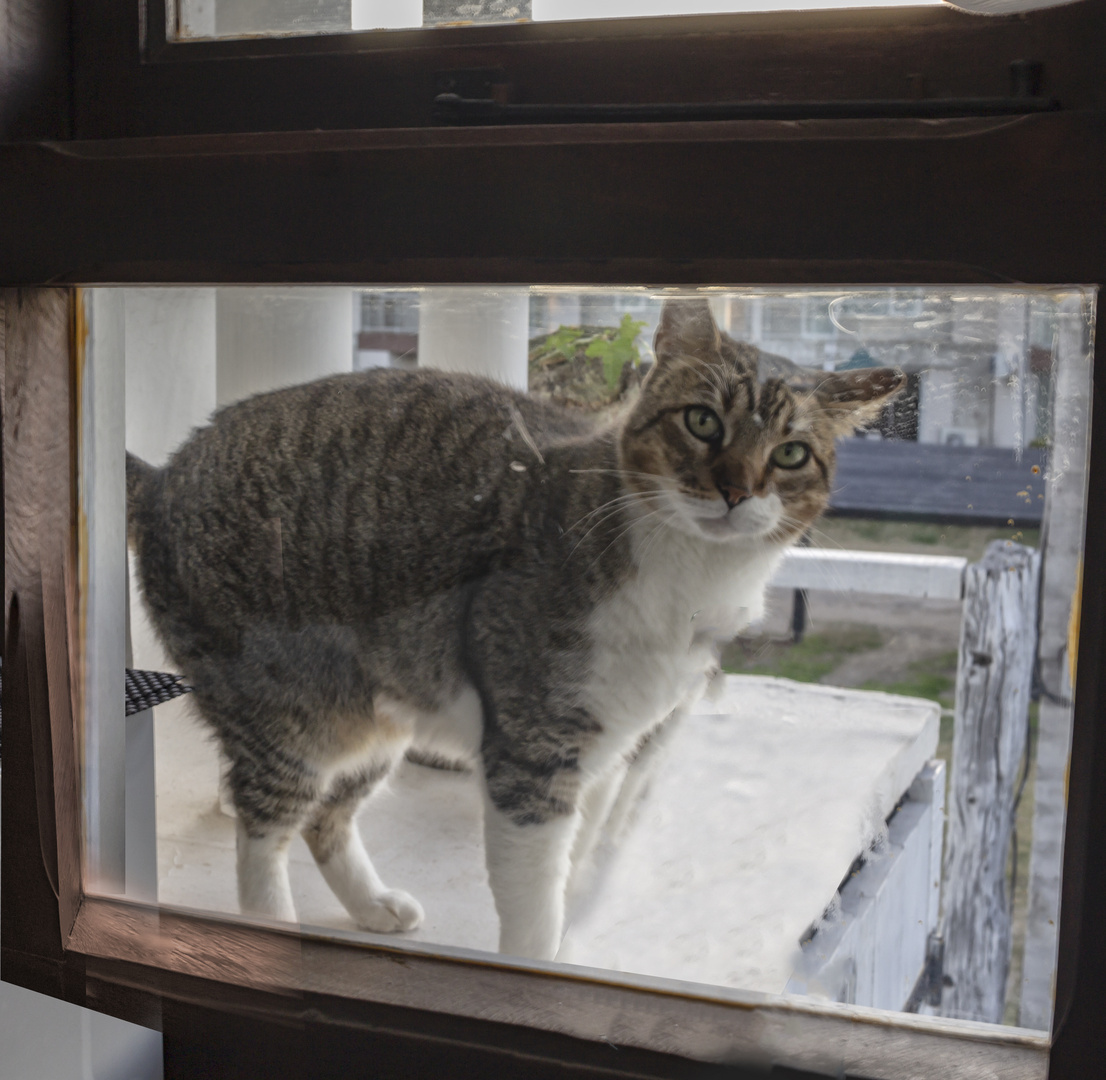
column 289, row 976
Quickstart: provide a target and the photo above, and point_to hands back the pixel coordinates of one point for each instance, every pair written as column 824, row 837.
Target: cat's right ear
column 855, row 398
column 686, row 327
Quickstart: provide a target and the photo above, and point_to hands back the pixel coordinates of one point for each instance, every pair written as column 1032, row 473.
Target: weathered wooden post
column 994, row 676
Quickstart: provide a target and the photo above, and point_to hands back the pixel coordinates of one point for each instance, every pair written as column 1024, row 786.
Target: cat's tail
column 140, row 482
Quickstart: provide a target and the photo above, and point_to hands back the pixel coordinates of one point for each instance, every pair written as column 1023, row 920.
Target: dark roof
column 964, row 485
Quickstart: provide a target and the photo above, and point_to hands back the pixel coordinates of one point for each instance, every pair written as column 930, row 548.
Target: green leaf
column 563, row 340
column 629, row 328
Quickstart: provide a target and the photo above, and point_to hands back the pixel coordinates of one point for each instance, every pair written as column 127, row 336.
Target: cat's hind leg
column 333, row 837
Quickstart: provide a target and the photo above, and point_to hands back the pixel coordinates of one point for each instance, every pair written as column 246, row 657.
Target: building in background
column 386, row 329
column 978, row 366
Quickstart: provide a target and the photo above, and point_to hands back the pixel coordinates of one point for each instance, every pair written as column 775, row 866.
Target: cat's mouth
column 753, row 518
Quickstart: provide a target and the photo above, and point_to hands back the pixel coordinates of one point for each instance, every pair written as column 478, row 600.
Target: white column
column 187, row 351
column 170, row 389
column 276, row 335
column 103, row 506
column 170, row 367
column 479, row 330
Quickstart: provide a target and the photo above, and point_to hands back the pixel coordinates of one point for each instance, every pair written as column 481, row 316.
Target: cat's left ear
column 854, row 398
column 686, row 327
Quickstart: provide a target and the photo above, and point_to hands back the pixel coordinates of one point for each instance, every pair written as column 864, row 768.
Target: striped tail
column 140, row 478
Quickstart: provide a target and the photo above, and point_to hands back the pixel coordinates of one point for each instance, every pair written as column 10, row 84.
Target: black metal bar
column 798, row 616
column 454, row 109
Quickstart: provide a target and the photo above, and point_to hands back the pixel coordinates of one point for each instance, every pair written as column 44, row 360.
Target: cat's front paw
column 390, row 912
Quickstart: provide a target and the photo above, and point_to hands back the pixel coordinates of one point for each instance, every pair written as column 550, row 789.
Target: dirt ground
column 910, row 631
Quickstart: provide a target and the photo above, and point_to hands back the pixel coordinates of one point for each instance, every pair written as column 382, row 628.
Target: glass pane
column 722, row 636
column 197, row 19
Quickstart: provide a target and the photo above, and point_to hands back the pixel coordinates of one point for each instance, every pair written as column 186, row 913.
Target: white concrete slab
column 749, row 826
column 871, row 948
column 758, row 807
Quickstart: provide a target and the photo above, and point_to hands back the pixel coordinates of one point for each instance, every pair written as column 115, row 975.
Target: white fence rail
column 938, row 577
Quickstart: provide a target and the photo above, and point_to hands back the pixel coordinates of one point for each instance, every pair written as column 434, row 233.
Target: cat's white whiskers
column 633, row 493
column 617, row 472
column 651, row 540
column 607, row 517
column 710, row 375
column 644, row 517
column 830, row 541
column 610, row 511
column 710, row 371
column 787, row 521
column 623, row 499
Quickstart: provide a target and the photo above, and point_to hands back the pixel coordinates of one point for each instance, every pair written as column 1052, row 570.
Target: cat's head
column 729, row 443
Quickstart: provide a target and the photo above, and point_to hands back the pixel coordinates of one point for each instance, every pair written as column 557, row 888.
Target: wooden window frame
column 122, row 177
column 129, row 80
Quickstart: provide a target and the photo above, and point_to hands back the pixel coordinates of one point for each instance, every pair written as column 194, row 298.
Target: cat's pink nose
column 733, row 494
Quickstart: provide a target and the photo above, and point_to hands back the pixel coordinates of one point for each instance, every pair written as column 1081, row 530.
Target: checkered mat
column 145, row 689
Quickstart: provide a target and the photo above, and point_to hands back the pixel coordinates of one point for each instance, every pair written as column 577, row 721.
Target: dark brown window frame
column 161, row 195
column 130, row 81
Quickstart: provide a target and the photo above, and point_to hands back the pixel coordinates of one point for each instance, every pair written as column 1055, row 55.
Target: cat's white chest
column 656, row 641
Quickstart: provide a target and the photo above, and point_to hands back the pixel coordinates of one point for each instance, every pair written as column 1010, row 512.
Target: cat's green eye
column 702, row 423
column 790, row 455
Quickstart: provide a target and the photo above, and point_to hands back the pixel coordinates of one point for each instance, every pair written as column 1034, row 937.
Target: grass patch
column 868, row 534
column 926, row 534
column 934, row 679
column 805, row 661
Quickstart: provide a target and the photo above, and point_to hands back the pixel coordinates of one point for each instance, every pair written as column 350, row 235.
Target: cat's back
column 351, row 493
column 417, row 415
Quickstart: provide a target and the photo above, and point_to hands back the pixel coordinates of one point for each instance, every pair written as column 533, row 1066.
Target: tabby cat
column 352, row 567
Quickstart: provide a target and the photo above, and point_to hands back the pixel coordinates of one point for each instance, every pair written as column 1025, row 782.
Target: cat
column 391, row 559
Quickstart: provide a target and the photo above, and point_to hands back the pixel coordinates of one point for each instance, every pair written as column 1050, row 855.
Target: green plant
column 564, row 340
column 615, row 350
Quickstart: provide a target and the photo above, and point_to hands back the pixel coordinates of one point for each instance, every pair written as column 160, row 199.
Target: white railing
column 938, row 577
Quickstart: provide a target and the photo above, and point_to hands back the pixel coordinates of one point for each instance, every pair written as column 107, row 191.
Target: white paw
column 390, row 913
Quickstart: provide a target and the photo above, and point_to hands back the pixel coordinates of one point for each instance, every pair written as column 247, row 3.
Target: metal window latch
column 481, row 96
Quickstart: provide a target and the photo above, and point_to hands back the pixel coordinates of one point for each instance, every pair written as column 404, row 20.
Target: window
column 732, row 835
column 681, row 205
column 235, row 18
